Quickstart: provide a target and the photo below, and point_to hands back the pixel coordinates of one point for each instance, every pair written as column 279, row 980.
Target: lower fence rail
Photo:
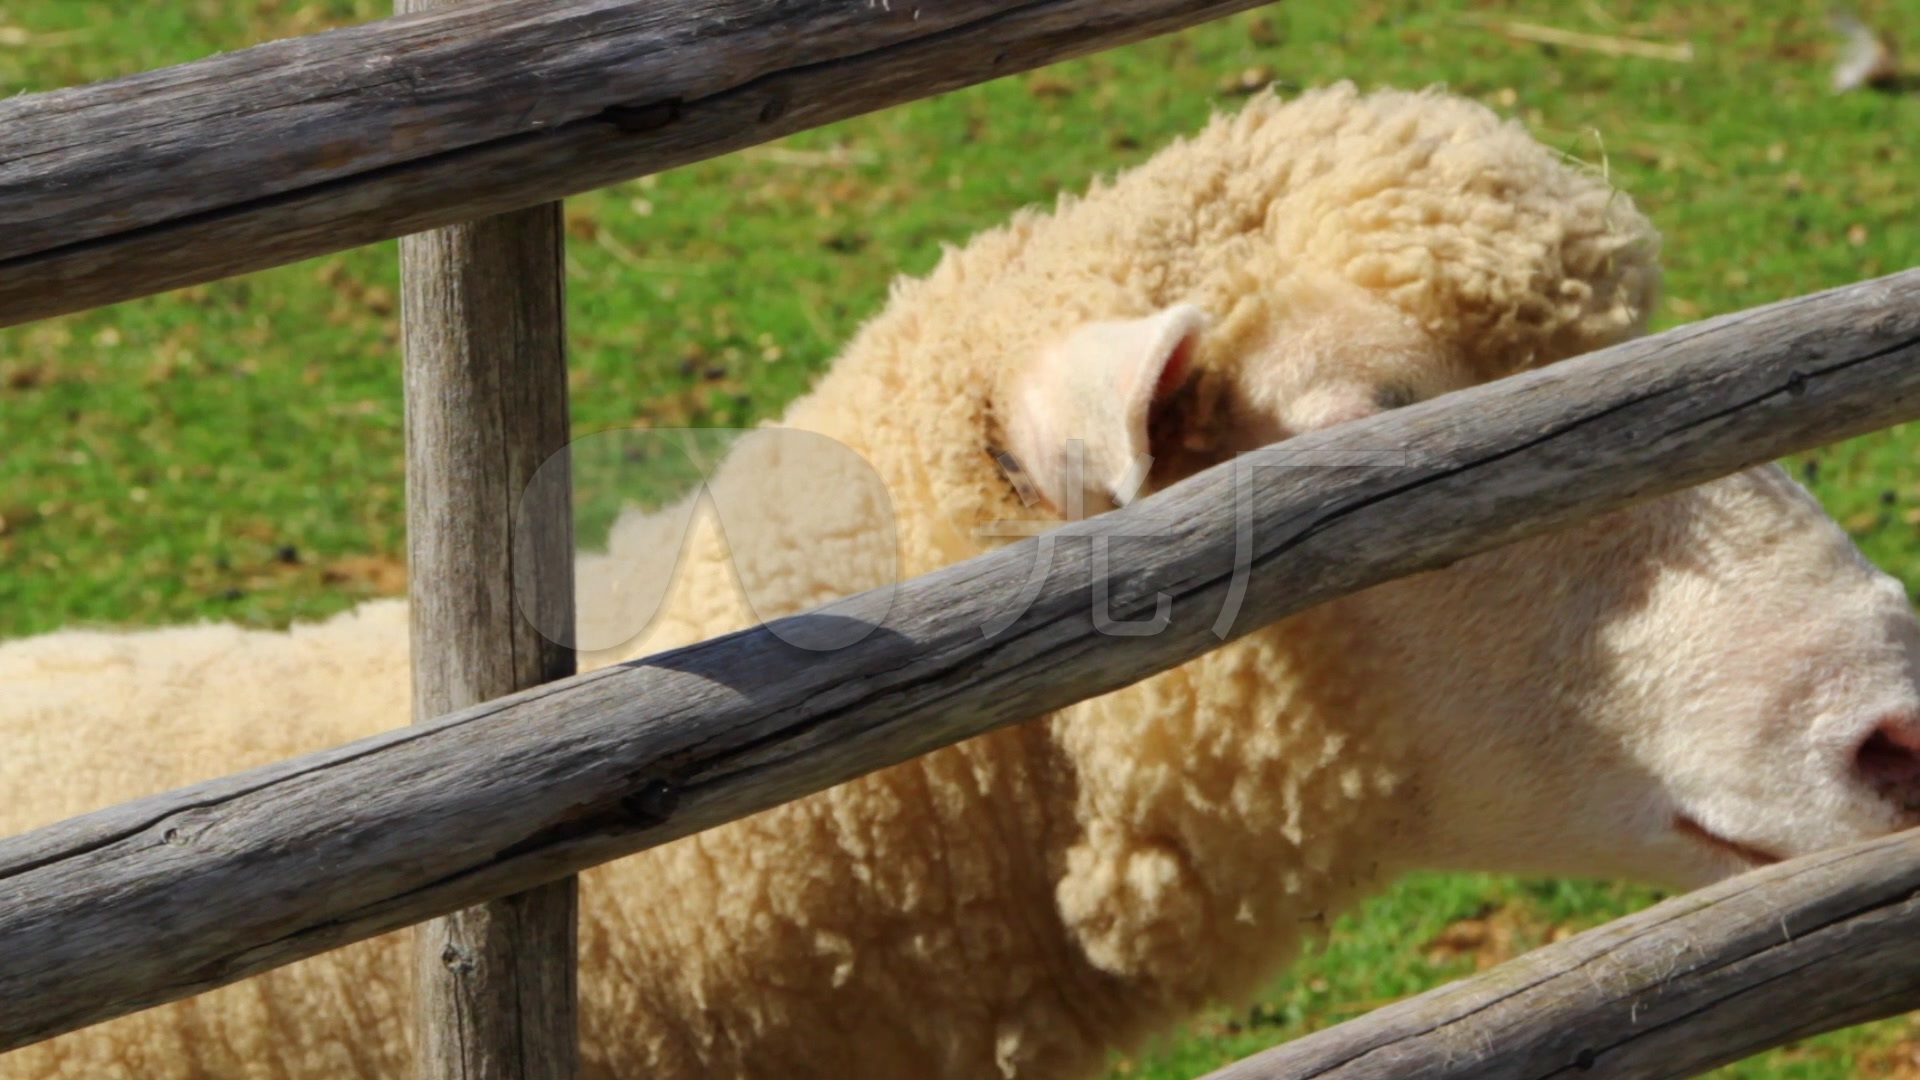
column 1821, row 942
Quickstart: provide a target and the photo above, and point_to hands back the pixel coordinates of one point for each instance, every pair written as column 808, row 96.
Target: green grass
column 233, row 451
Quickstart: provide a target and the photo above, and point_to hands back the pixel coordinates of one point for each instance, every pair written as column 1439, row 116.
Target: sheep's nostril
column 1890, row 761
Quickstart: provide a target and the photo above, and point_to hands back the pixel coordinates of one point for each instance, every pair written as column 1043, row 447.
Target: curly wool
column 1016, row 905
column 1498, row 250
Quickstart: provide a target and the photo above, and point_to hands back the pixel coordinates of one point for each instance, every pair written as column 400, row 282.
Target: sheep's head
column 1674, row 693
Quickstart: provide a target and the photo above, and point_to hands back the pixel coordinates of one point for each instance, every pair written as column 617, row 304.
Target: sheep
column 1673, row 693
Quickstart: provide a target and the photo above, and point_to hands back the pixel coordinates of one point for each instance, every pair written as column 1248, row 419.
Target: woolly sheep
column 1675, row 692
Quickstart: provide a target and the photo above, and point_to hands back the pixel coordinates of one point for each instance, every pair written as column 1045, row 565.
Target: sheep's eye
column 1016, row 474
column 1393, row 396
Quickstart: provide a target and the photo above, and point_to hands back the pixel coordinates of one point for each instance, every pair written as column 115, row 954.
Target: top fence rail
column 296, row 148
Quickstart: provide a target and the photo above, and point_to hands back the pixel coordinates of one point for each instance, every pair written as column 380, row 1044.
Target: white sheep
column 1675, row 692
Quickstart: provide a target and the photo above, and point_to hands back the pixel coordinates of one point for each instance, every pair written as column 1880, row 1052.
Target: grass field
column 232, row 451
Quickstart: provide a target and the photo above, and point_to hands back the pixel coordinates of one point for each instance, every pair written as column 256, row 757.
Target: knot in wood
column 652, row 805
column 456, row 959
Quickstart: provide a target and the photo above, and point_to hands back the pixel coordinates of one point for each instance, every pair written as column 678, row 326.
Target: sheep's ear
column 1096, row 387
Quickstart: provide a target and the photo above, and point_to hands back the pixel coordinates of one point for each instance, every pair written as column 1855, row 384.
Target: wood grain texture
column 296, row 148
column 482, row 317
column 1818, row 943
column 169, row 895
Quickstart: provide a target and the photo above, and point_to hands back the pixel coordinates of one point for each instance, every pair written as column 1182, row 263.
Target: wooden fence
column 296, row 148
column 319, row 143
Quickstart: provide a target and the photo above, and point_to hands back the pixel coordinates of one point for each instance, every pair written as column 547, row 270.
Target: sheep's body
column 1020, row 903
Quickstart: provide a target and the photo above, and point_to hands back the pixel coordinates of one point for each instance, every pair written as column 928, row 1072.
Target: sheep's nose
column 1889, row 760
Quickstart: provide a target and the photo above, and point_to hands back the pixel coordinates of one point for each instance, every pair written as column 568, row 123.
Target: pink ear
column 1175, row 371
column 1098, row 385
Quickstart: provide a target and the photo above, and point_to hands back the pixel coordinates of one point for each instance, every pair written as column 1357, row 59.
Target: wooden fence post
column 486, row 404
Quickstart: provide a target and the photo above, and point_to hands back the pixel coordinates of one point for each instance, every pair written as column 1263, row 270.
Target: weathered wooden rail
column 178, row 893
column 300, row 147
column 1698, row 981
